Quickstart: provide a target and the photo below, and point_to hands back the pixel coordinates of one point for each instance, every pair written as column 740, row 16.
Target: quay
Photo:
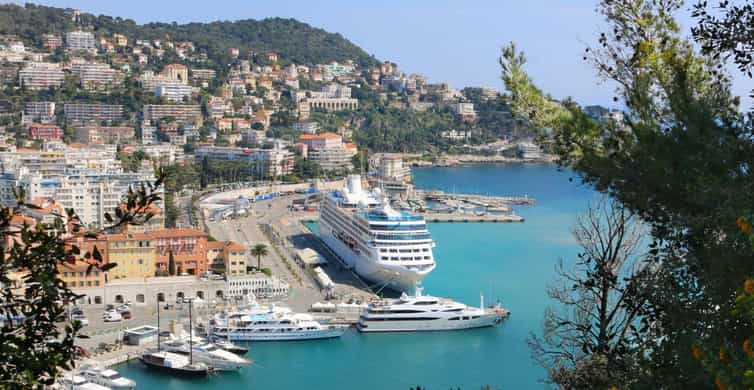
column 456, row 217
column 479, row 200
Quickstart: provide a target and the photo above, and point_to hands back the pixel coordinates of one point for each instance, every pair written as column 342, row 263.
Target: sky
column 453, row 41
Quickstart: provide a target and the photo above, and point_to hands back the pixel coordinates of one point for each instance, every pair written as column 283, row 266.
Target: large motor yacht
column 273, row 323
column 208, row 354
column 411, row 313
column 390, row 248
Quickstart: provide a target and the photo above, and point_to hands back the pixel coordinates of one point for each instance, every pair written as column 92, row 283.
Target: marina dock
column 475, row 199
column 459, row 217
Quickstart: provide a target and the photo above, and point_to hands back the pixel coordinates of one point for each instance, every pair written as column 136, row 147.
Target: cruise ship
column 413, row 313
column 389, row 248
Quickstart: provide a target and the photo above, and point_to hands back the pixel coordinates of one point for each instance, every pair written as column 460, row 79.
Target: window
column 96, row 282
column 89, row 283
column 81, row 283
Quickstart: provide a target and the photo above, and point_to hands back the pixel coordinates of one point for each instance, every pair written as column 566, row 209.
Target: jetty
column 461, row 217
column 475, row 199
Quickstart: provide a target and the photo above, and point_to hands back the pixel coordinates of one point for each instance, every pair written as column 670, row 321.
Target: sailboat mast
column 191, row 327
column 158, row 325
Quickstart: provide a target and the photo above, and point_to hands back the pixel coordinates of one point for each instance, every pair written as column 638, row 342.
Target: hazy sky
column 454, row 41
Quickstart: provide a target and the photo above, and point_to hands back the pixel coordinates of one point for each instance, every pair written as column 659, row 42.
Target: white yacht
column 411, row 313
column 95, row 373
column 272, row 324
column 207, row 353
column 385, row 246
column 77, row 382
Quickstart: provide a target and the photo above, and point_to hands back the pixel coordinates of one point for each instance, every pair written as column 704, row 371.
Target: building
column 42, row 112
column 329, row 151
column 148, row 133
column 80, row 40
column 307, row 127
column 96, row 76
column 51, row 41
column 94, row 112
column 120, row 40
column 134, row 254
column 76, row 275
column 175, row 72
column 188, row 246
column 465, row 111
column 39, row 131
column 489, row 93
column 41, row 75
column 104, row 134
column 203, row 74
column 529, row 151
column 228, row 256
column 273, row 162
column 455, row 135
column 392, row 167
column 190, row 113
column 174, row 92
column 332, row 104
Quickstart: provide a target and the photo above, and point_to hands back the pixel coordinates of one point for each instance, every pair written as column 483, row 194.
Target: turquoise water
column 512, row 262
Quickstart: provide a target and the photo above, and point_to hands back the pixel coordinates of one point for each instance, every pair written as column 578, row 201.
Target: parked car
column 111, row 316
column 126, row 314
column 80, row 318
column 122, row 308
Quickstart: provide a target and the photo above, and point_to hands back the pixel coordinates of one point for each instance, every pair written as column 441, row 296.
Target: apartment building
column 188, row 246
column 227, row 256
column 84, row 112
column 465, row 111
column 176, row 72
column 329, row 151
column 203, row 74
column 42, row 112
column 80, row 40
column 174, row 92
column 134, row 254
column 190, row 113
column 51, row 41
column 45, row 132
column 41, row 75
column 96, row 76
column 271, row 162
column 104, row 134
column 120, row 40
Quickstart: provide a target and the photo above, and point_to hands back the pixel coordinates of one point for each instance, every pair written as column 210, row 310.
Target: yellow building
column 134, row 254
column 227, row 255
column 75, row 275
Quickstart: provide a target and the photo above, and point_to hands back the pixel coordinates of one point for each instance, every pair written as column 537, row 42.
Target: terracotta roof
column 350, row 145
column 319, row 136
column 234, row 246
column 215, row 245
column 229, row 245
column 171, row 233
column 127, row 236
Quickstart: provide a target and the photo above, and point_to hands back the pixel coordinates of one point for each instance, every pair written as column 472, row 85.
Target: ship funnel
column 353, row 183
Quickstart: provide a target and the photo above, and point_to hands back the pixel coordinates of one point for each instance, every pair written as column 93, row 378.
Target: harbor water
column 512, row 262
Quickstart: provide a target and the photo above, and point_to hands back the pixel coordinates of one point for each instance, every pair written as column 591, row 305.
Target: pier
column 459, row 217
column 475, row 199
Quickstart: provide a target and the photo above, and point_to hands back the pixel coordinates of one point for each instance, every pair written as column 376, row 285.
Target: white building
column 41, row 75
column 80, row 40
column 174, row 92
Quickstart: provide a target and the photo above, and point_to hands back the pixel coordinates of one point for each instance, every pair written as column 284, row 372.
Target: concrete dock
column 458, row 217
column 475, row 199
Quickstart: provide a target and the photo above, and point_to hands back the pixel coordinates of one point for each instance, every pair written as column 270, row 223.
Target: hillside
column 294, row 41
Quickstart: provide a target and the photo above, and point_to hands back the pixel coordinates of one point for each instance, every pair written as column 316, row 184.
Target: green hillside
column 294, row 41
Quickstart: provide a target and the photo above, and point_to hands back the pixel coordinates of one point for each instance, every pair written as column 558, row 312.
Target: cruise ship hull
column 439, row 324
column 396, row 278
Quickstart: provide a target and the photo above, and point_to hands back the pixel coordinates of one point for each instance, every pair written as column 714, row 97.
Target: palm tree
column 259, row 250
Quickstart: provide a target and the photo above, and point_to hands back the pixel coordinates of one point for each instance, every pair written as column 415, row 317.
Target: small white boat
column 95, row 373
column 208, row 354
column 77, row 382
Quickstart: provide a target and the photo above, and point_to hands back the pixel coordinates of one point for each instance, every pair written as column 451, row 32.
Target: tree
column 679, row 161
column 259, row 251
column 31, row 288
column 593, row 339
column 171, row 263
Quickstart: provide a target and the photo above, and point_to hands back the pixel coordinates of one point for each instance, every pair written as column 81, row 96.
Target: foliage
column 292, row 40
column 34, row 350
column 594, row 339
column 171, row 263
column 259, row 251
column 681, row 162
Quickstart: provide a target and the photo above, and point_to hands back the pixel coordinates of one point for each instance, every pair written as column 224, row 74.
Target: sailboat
column 173, row 363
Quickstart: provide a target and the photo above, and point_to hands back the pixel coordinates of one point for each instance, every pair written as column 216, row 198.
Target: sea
column 511, row 263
